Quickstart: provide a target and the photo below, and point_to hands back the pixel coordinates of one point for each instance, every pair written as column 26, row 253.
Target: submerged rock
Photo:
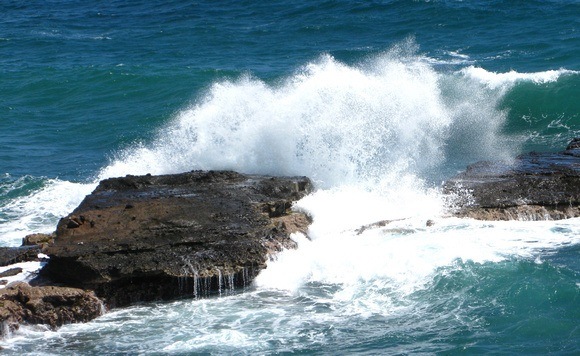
column 535, row 186
column 49, row 305
column 142, row 238
column 11, row 272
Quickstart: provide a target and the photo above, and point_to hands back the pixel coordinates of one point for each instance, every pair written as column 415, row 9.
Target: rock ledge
column 536, row 186
column 143, row 238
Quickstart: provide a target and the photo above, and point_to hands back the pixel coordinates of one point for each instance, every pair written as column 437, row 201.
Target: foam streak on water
column 391, row 287
column 509, row 79
column 37, row 206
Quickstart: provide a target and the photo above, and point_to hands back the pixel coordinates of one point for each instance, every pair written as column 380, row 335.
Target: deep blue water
column 350, row 93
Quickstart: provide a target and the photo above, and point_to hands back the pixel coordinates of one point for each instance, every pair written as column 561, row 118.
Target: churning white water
column 389, row 125
column 335, row 123
column 376, row 139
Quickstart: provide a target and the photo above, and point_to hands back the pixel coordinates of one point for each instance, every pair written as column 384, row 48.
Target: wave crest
column 338, row 124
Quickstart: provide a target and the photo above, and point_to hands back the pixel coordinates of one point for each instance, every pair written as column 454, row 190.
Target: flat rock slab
column 536, row 186
column 141, row 238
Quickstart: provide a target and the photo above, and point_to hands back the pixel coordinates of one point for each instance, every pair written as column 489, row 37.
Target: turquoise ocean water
column 377, row 101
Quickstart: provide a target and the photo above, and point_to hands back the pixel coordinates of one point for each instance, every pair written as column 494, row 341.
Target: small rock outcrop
column 53, row 306
column 142, row 238
column 12, row 255
column 42, row 240
column 535, row 186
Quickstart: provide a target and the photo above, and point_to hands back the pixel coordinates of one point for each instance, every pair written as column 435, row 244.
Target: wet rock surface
column 53, row 306
column 142, row 238
column 535, row 186
column 12, row 255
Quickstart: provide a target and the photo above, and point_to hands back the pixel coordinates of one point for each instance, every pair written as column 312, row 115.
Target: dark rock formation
column 375, row 225
column 53, row 306
column 11, row 272
column 12, row 255
column 142, row 238
column 536, row 186
column 573, row 146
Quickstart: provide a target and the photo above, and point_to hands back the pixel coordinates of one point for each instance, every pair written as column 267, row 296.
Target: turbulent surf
column 377, row 103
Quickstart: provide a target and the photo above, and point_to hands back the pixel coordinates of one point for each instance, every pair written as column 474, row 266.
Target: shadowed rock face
column 141, row 238
column 11, row 255
column 536, row 186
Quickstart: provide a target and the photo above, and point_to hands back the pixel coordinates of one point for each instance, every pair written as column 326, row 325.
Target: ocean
column 378, row 102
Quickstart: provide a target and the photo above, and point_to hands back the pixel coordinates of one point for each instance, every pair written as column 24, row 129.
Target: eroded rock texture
column 49, row 305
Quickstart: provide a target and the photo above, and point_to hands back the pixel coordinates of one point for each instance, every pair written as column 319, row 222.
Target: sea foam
column 385, row 129
column 507, row 80
column 38, row 211
column 369, row 136
column 336, row 123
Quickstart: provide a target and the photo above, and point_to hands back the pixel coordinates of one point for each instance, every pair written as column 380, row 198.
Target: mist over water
column 395, row 124
column 377, row 138
column 377, row 102
column 390, row 115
